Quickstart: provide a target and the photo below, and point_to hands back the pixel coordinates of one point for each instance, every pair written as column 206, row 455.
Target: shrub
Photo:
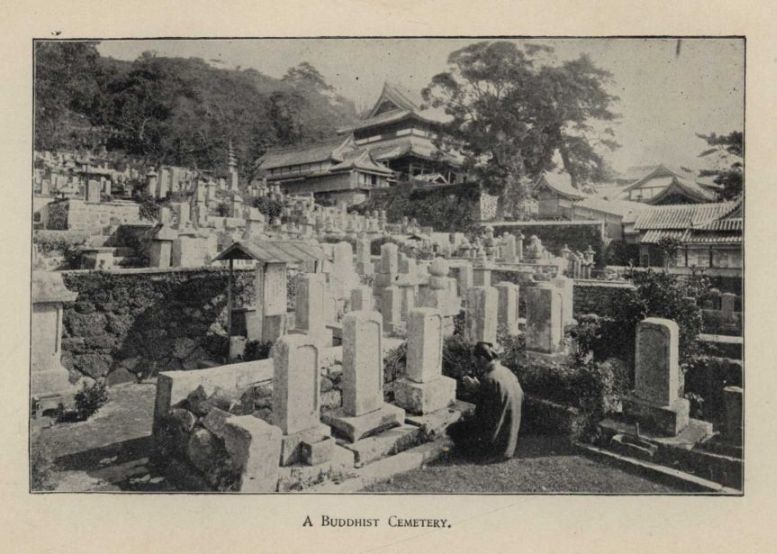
column 394, row 363
column 257, row 350
column 269, row 207
column 89, row 399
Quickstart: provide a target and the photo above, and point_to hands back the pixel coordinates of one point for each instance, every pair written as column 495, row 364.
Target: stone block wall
column 599, row 297
column 146, row 321
column 81, row 216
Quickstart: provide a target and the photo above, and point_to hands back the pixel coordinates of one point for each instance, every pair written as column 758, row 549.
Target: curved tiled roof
column 560, row 183
column 681, row 216
column 302, row 154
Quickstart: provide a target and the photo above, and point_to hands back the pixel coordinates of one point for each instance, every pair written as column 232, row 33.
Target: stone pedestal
column 353, row 428
column 424, row 398
column 667, row 419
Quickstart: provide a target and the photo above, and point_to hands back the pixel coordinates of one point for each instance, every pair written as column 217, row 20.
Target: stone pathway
column 109, row 451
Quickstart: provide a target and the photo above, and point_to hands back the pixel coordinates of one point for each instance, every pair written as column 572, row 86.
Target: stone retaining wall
column 145, row 321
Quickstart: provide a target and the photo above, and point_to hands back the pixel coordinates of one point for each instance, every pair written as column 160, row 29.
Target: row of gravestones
column 301, row 435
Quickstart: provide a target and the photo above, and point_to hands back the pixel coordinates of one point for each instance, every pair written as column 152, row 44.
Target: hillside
column 175, row 110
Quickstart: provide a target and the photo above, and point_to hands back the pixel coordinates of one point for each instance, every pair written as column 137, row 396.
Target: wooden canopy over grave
column 272, row 257
column 273, row 251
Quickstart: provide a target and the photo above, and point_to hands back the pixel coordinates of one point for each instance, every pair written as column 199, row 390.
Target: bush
column 394, row 363
column 269, row 207
column 89, row 399
column 257, row 350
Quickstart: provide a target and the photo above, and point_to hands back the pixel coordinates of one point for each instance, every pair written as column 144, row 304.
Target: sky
column 665, row 97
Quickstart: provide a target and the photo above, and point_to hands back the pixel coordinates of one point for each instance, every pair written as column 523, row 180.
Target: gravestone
column 362, row 299
column 732, row 430
column 567, row 288
column 424, row 389
column 391, row 309
column 296, row 401
column 481, row 276
column 364, row 411
column 363, row 257
column 465, row 279
column 270, row 289
column 309, row 305
column 508, row 249
column 93, row 191
column 544, row 325
column 656, row 402
column 161, row 248
column 481, row 315
column 507, row 301
column 49, row 380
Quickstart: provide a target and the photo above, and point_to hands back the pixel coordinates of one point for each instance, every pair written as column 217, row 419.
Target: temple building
column 393, row 143
column 664, row 186
column 708, row 237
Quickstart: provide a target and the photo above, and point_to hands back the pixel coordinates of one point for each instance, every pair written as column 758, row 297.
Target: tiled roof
column 684, row 187
column 361, row 160
column 693, row 236
column 560, row 183
column 682, row 216
column 303, row 154
column 725, row 224
column 653, row 236
column 622, row 208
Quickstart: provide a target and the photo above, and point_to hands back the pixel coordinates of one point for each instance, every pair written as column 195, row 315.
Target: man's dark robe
column 498, row 411
column 493, row 431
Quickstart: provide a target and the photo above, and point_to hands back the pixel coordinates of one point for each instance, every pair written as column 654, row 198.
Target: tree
column 306, row 75
column 512, row 110
column 669, row 247
column 732, row 178
column 66, row 83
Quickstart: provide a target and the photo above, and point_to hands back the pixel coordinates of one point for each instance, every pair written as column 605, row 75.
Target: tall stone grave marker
column 544, row 325
column 425, row 389
column 507, row 314
column 296, row 401
column 309, row 306
column 361, row 299
column 567, row 288
column 364, row 411
column 481, row 316
column 391, row 309
column 656, row 403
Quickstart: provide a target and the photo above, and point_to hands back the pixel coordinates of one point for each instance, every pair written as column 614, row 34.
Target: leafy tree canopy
column 732, row 178
column 176, row 111
column 514, row 108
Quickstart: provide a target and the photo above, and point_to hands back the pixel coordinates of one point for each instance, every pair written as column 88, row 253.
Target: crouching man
column 493, row 430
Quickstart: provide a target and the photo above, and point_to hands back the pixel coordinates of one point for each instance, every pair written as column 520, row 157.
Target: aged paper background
column 186, row 523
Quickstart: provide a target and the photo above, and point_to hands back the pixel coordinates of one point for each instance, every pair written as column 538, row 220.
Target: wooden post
column 229, row 298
